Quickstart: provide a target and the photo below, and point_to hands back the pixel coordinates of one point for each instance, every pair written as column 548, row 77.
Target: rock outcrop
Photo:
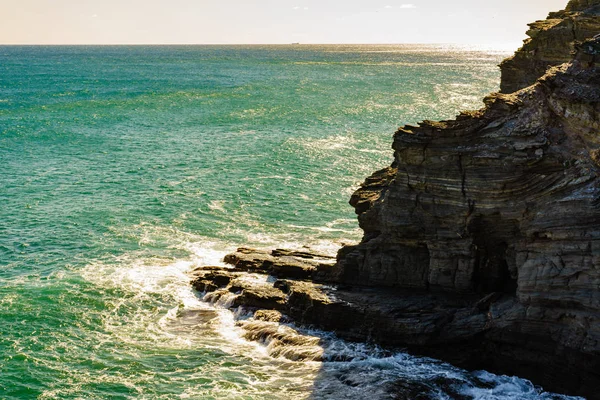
column 551, row 42
column 481, row 241
column 504, row 200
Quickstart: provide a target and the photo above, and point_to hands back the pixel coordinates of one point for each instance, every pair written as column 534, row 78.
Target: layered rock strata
column 551, row 42
column 503, row 200
column 481, row 244
column 354, row 312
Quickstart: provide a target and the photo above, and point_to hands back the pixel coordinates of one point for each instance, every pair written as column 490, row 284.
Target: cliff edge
column 551, row 42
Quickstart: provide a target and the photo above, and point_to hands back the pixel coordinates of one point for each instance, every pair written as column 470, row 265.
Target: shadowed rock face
column 581, row 5
column 502, row 200
column 551, row 43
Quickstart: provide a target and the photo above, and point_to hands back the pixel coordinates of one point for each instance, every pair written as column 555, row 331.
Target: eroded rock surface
column 551, row 42
column 358, row 313
column 280, row 262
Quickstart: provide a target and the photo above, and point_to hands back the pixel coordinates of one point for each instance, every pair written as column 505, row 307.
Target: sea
column 124, row 168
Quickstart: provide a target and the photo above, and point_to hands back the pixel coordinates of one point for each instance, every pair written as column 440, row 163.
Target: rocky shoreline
column 482, row 239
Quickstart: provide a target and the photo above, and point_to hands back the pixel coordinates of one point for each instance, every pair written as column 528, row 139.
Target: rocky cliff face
column 502, row 201
column 551, row 43
column 482, row 239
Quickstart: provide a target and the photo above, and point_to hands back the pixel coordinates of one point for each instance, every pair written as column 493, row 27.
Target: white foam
column 217, row 205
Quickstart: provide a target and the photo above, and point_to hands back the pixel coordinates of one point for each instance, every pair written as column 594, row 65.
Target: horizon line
column 497, row 45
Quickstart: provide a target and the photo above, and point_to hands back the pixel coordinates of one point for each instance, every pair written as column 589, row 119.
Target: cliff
column 481, row 241
column 551, row 42
column 503, row 201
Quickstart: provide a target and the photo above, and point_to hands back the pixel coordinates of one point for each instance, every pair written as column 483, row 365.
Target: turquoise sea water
column 122, row 168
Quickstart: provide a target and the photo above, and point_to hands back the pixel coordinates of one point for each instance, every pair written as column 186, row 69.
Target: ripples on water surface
column 124, row 167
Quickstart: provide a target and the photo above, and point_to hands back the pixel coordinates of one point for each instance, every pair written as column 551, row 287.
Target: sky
column 494, row 23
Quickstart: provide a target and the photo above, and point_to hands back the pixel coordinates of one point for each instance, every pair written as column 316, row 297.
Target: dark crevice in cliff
column 491, row 272
column 463, row 175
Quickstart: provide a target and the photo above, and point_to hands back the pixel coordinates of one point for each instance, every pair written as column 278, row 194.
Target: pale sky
column 480, row 22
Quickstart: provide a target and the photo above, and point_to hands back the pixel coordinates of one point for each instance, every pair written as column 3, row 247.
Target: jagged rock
column 360, row 313
column 268, row 315
column 280, row 263
column 259, row 296
column 282, row 340
column 211, row 279
column 552, row 42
